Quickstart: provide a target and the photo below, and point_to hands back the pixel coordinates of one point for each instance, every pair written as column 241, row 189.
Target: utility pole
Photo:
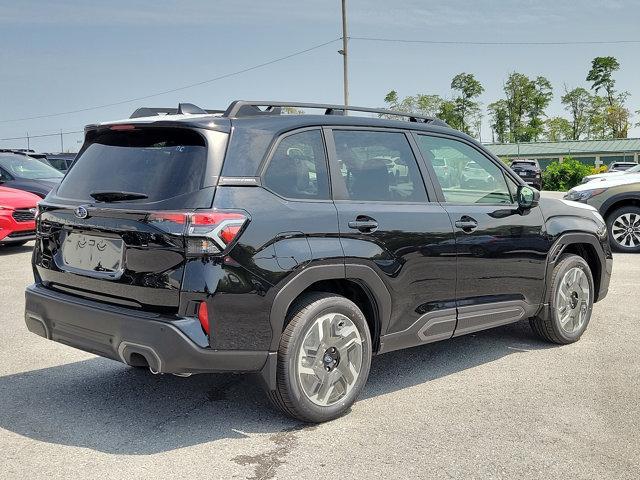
column 344, row 52
column 61, row 142
column 28, row 145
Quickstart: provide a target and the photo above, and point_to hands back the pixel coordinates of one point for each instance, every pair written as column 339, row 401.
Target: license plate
column 93, row 255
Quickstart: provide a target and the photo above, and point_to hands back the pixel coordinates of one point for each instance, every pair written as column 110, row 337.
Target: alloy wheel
column 572, row 300
column 329, row 359
column 625, row 230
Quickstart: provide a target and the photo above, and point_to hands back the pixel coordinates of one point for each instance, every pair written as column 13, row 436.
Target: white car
column 601, row 176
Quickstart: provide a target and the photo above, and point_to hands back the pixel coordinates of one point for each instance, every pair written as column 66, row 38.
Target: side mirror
column 528, row 197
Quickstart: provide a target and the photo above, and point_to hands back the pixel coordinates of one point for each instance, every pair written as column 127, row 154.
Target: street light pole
column 344, row 52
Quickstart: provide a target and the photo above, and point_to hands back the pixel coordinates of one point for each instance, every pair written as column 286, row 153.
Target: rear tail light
column 203, row 317
column 208, row 232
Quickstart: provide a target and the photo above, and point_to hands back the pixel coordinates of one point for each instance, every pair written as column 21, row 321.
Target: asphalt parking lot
column 497, row 404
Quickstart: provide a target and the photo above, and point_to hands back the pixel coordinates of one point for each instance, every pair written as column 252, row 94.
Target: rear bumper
column 132, row 336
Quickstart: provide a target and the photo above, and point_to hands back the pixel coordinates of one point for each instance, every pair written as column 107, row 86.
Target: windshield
column 635, row 169
column 24, row 167
column 160, row 163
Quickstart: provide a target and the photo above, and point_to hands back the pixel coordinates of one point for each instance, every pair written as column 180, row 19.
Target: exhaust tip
column 138, row 355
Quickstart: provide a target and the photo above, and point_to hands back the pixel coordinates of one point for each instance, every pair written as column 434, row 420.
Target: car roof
column 258, row 127
column 276, row 114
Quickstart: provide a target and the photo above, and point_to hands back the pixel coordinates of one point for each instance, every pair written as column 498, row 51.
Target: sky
column 72, row 55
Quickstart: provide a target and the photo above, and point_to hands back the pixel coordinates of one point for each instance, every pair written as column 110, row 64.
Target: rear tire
column 623, row 225
column 570, row 299
column 323, row 359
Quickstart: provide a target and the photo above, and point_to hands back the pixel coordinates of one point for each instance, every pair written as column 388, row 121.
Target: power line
column 40, row 136
column 177, row 89
column 464, row 42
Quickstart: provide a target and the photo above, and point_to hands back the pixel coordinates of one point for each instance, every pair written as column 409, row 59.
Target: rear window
column 525, row 165
column 160, row 162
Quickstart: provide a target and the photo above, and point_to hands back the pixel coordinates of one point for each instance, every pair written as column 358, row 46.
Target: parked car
column 474, row 176
column 28, row 174
column 61, row 161
column 621, row 166
column 42, row 157
column 615, row 173
column 17, row 216
column 249, row 241
column 443, row 172
column 618, row 201
column 529, row 171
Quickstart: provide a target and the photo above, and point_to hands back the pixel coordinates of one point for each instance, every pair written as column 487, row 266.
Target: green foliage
column 526, row 101
column 601, row 75
column 557, row 129
column 499, row 114
column 420, row 104
column 462, row 113
column 577, row 102
column 466, row 107
column 598, row 170
column 566, row 175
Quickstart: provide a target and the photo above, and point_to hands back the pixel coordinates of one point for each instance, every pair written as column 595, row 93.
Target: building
column 590, row 152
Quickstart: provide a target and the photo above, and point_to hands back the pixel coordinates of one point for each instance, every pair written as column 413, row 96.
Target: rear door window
column 159, row 162
column 298, row 167
column 378, row 166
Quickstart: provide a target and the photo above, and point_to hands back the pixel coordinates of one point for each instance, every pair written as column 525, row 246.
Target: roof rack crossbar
column 240, row 108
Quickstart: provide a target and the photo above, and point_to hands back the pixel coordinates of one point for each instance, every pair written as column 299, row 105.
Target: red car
column 17, row 216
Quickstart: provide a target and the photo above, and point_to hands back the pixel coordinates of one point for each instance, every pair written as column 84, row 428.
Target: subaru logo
column 81, row 212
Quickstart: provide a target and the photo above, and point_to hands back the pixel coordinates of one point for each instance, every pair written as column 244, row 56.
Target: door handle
column 364, row 224
column 466, row 224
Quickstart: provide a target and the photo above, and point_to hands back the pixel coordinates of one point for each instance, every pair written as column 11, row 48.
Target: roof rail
column 182, row 109
column 245, row 108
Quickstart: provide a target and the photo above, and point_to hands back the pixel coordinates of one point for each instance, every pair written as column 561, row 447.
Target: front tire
column 624, row 229
column 570, row 299
column 323, row 359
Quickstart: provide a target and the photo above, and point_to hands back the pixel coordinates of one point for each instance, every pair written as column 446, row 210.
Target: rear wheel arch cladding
column 312, row 274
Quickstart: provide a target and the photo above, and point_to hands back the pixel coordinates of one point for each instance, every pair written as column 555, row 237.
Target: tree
column 577, row 103
column 498, row 111
column 448, row 112
column 467, row 107
column 515, row 91
column 541, row 94
column 597, row 118
column 422, row 104
column 617, row 119
column 526, row 101
column 558, row 128
column 601, row 76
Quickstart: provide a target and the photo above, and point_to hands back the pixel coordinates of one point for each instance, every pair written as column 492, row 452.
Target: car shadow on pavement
column 105, row 406
column 12, row 250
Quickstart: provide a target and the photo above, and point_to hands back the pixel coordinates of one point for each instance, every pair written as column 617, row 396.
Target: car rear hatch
column 107, row 233
column 526, row 172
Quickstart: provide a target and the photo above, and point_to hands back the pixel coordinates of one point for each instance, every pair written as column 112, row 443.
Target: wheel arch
column 358, row 283
column 585, row 245
column 618, row 201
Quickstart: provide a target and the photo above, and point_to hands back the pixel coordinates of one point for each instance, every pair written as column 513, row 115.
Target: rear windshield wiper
column 117, row 196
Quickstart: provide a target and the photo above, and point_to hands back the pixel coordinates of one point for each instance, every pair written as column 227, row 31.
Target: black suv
column 298, row 246
column 529, row 171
